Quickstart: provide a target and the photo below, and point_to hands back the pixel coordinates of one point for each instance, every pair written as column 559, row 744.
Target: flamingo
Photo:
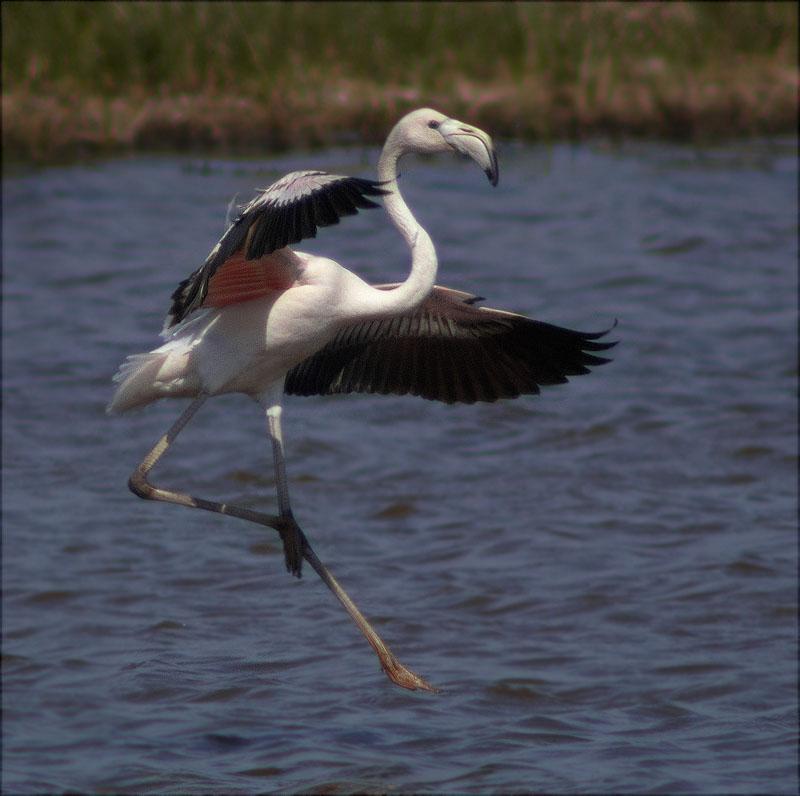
column 262, row 319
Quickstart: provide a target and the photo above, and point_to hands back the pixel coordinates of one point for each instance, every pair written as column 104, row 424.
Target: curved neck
column 424, row 264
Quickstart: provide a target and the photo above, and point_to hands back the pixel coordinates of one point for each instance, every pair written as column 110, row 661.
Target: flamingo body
column 244, row 346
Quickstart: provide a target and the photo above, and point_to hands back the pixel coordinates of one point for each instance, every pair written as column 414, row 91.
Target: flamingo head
column 426, row 131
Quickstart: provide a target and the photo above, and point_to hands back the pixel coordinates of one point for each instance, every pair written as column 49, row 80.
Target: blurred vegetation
column 85, row 77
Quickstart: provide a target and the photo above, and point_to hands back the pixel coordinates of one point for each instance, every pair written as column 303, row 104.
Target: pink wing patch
column 238, row 280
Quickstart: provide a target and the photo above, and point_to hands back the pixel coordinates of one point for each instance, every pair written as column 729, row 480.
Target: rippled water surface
column 601, row 579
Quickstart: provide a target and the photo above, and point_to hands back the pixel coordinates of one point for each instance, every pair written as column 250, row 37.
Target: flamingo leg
column 140, row 486
column 290, row 532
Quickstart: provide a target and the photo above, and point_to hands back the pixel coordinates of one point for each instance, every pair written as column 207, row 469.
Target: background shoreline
column 249, row 78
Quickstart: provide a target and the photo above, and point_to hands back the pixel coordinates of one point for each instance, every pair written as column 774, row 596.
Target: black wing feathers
column 289, row 211
column 473, row 354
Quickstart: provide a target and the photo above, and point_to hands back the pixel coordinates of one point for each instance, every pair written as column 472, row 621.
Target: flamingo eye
column 433, row 124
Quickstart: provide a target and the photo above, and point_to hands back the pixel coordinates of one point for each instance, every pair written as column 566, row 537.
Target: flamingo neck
column 424, row 264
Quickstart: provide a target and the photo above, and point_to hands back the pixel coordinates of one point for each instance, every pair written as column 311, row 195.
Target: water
column 602, row 579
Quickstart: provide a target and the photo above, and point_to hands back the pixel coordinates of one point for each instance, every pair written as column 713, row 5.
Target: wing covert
column 288, row 211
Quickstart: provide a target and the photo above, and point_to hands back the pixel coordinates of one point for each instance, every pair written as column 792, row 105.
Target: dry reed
column 83, row 79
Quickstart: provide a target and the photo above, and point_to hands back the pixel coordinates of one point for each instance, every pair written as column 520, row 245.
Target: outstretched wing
column 448, row 349
column 289, row 211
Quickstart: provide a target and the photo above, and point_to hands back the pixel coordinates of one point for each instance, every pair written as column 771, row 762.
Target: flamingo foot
column 402, row 676
column 294, row 543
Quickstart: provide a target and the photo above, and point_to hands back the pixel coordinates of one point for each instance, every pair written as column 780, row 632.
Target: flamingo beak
column 473, row 143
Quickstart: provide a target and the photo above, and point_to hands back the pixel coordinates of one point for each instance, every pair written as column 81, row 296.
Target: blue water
column 602, row 580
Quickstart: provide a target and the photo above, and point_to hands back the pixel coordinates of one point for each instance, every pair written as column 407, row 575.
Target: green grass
column 295, row 70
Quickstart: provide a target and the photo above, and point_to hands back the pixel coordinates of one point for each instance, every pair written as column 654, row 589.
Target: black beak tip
column 493, row 172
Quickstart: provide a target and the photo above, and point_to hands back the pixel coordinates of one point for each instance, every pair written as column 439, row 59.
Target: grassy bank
column 95, row 78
